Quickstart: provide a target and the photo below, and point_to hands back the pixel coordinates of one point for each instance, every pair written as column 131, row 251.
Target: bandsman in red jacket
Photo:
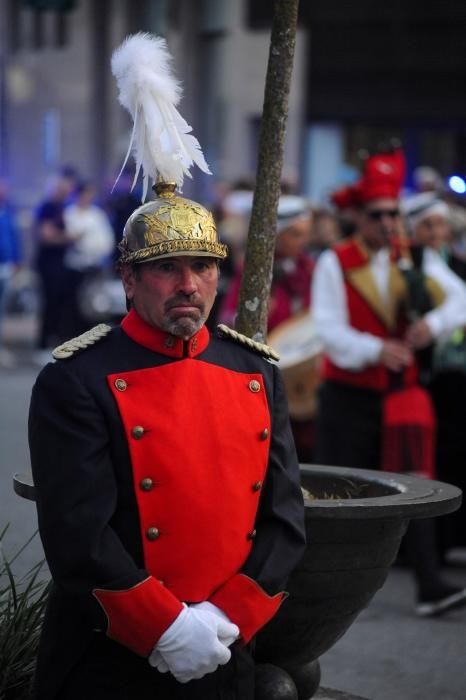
column 166, row 478
column 378, row 305
column 167, row 482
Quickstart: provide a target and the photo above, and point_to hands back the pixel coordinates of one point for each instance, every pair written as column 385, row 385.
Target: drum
column 300, row 352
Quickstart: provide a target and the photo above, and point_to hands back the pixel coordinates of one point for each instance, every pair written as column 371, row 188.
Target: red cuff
column 137, row 617
column 246, row 604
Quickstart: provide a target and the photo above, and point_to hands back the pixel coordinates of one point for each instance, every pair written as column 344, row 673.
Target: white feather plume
column 161, row 138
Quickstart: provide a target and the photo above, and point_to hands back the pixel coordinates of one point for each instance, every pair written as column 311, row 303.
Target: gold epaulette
column 90, row 337
column 261, row 348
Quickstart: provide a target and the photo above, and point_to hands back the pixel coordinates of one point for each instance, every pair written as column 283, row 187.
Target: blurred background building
column 363, row 71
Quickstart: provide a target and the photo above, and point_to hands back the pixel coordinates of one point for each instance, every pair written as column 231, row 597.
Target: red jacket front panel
column 201, row 504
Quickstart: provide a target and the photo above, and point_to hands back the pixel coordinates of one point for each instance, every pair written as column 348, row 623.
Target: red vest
column 368, row 314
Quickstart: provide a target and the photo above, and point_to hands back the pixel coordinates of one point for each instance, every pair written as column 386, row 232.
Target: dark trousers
column 348, row 434
column 348, row 427
column 75, row 322
column 448, row 390
column 108, row 671
column 53, row 312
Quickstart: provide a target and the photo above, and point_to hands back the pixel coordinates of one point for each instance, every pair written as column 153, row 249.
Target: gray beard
column 184, row 328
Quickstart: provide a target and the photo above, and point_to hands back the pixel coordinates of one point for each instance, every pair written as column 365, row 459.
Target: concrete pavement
column 389, row 654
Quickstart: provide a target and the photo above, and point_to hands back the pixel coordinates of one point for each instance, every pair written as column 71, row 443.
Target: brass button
column 257, row 486
column 194, row 345
column 120, row 384
column 162, row 583
column 169, row 342
column 152, row 533
column 252, row 535
column 146, row 484
column 254, row 386
column 265, row 434
column 137, row 432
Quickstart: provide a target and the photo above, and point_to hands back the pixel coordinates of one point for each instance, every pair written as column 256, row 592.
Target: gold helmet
column 170, row 225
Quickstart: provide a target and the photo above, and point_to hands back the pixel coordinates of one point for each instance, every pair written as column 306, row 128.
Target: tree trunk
column 257, row 276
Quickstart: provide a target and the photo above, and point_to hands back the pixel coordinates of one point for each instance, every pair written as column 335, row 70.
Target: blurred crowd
column 66, row 259
column 371, row 426
column 70, row 249
column 74, row 237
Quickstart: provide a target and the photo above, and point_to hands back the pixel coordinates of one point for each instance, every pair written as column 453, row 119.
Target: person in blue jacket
column 10, row 258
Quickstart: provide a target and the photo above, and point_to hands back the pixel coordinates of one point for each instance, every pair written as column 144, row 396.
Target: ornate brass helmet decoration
column 170, row 225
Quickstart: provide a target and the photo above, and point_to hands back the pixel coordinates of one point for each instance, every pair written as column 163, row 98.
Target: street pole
column 257, row 276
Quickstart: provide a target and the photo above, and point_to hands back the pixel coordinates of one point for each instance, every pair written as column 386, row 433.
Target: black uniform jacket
column 165, row 471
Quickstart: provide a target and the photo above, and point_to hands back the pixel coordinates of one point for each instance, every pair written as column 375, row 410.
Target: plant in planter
column 22, row 605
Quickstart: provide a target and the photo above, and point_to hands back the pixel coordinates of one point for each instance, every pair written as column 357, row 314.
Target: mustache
column 182, row 300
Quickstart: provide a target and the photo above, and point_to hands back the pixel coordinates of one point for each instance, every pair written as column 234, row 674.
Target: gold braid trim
column 261, row 348
column 67, row 349
column 218, row 250
column 435, row 291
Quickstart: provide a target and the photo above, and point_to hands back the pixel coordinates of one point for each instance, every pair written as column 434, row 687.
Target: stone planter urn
column 355, row 520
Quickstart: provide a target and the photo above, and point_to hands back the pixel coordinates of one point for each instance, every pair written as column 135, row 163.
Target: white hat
column 427, row 178
column 290, row 208
column 238, row 202
column 421, row 206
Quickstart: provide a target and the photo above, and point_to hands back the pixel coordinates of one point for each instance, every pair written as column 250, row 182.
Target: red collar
column 162, row 342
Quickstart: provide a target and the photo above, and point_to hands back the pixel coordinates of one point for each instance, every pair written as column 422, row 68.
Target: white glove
column 190, row 647
column 224, row 632
column 156, row 660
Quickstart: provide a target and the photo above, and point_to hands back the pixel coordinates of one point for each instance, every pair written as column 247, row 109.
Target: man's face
column 174, row 294
column 294, row 239
column 378, row 222
column 433, row 231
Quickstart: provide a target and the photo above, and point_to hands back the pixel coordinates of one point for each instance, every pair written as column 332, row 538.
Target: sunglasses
column 378, row 214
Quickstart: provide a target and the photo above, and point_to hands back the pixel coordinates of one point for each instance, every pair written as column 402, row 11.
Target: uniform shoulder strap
column 261, row 348
column 90, row 337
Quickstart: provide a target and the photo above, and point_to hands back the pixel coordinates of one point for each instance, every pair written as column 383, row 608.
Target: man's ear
column 128, row 279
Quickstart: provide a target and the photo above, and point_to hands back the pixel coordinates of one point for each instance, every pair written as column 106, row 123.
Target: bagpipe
column 409, row 422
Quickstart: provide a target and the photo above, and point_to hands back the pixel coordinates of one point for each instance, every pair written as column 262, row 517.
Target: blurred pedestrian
column 289, row 299
column 428, row 179
column 429, row 222
column 10, row 258
column 373, row 412
column 52, row 242
column 346, row 204
column 326, row 232
column 234, row 214
column 292, row 266
column 90, row 250
column 120, row 204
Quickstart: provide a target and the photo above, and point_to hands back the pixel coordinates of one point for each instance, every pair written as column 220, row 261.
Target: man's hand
column 419, row 335
column 395, row 355
column 227, row 632
column 190, row 647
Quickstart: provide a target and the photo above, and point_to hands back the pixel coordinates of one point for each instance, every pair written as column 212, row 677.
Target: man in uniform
column 373, row 413
column 167, row 483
